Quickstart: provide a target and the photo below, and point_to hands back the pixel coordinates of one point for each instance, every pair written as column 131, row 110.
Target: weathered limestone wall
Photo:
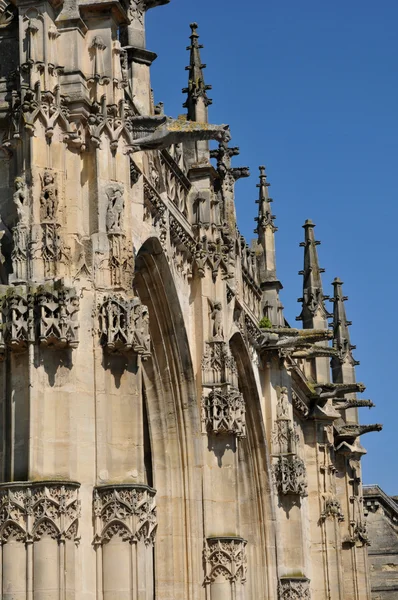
column 382, row 523
column 163, row 432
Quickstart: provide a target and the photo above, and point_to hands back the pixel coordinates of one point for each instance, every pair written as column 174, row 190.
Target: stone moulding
column 31, row 510
column 127, row 511
column 294, row 588
column 225, row 557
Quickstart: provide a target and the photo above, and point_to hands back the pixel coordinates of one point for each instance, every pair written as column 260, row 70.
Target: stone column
column 38, row 538
column 225, row 567
column 125, row 528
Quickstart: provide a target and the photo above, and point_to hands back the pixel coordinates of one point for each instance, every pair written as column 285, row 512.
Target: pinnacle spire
column 270, row 285
column 265, row 217
column 197, row 100
column 341, row 334
column 313, row 313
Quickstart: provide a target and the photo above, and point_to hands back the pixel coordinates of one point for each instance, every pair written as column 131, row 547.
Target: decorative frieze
column 290, row 475
column 294, row 588
column 225, row 557
column 30, row 511
column 223, row 412
column 124, row 325
column 127, row 511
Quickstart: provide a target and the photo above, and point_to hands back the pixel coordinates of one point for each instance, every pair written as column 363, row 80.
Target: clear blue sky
column 310, row 89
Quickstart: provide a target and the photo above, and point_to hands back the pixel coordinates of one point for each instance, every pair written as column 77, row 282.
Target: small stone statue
column 282, row 409
column 20, row 201
column 48, row 197
column 216, row 315
column 114, row 214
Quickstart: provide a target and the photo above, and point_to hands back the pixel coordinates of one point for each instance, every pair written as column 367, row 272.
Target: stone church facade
column 164, row 433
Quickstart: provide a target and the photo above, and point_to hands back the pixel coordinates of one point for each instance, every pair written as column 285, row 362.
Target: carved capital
column 225, row 557
column 294, row 588
column 30, row 511
column 127, row 511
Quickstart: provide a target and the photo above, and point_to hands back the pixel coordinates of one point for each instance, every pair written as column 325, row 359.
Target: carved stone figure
column 217, row 317
column 115, row 210
column 21, row 202
column 48, row 198
column 282, row 407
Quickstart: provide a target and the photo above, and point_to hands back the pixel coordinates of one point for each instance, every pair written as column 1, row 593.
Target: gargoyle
column 349, row 432
column 294, row 338
column 333, row 390
column 157, row 132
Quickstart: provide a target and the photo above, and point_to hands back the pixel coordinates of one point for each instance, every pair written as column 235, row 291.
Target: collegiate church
column 165, row 434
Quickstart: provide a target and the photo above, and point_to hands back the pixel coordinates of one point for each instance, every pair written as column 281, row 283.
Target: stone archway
column 174, row 425
column 255, row 498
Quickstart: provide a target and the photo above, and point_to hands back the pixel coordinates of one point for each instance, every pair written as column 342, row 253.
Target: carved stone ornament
column 17, row 320
column 332, row 509
column 121, row 261
column 124, row 325
column 115, row 209
column 48, row 198
column 300, row 406
column 30, row 511
column 57, row 310
column 127, row 511
column 218, row 365
column 284, row 436
column 223, row 412
column 290, row 475
column 217, row 318
column 225, row 557
column 294, row 588
column 47, row 315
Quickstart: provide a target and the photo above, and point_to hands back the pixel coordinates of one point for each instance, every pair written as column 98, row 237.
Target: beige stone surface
column 157, row 440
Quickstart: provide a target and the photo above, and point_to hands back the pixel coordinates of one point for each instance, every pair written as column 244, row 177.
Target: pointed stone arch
column 255, row 481
column 174, row 427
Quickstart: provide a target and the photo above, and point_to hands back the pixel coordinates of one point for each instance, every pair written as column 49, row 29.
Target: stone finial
column 313, row 296
column 197, row 88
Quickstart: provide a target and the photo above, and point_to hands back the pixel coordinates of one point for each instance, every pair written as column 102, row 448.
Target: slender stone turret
column 313, row 314
column 343, row 364
column 197, row 101
column 270, row 284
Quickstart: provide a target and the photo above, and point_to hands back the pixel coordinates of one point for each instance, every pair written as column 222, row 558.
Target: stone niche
column 39, row 532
